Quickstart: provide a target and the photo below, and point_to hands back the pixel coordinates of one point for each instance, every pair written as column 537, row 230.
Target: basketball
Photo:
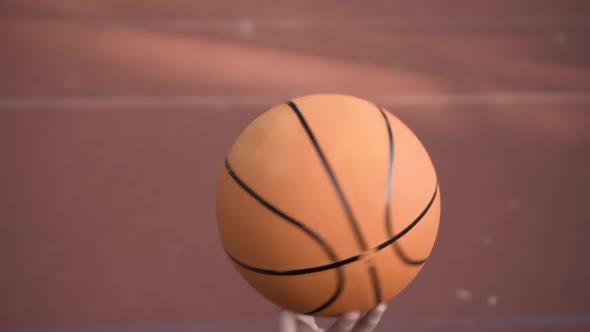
column 328, row 204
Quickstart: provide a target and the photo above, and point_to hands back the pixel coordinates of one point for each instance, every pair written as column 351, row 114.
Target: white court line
column 277, row 22
column 294, row 23
column 227, row 102
column 392, row 21
column 298, row 23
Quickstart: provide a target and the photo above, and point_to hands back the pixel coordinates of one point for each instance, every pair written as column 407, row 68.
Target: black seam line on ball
column 340, row 192
column 347, row 261
column 405, row 258
column 323, row 244
column 375, row 282
column 388, row 222
column 343, row 201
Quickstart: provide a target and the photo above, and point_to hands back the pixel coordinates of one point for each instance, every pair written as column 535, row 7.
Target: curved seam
column 361, row 241
column 388, row 222
column 339, row 191
column 344, row 262
column 324, row 245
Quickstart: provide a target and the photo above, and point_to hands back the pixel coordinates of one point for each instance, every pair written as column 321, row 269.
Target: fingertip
column 287, row 322
column 353, row 315
column 286, row 315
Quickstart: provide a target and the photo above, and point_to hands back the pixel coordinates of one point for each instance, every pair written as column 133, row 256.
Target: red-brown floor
column 115, row 117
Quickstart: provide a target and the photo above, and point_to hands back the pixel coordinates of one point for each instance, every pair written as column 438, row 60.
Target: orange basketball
column 328, row 204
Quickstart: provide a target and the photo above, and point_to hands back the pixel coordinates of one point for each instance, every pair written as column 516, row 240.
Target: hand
column 349, row 322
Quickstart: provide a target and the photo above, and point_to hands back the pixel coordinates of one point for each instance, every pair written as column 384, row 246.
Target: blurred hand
column 349, row 322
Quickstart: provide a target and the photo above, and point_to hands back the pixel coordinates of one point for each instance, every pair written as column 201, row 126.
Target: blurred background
column 115, row 117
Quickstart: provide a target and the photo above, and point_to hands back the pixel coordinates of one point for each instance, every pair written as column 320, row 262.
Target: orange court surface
column 115, row 117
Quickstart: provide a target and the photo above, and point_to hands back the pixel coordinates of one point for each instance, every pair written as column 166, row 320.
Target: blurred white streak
column 222, row 102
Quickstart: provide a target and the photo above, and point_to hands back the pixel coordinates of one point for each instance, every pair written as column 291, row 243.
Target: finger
column 371, row 319
column 308, row 320
column 345, row 323
column 287, row 321
column 307, row 327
